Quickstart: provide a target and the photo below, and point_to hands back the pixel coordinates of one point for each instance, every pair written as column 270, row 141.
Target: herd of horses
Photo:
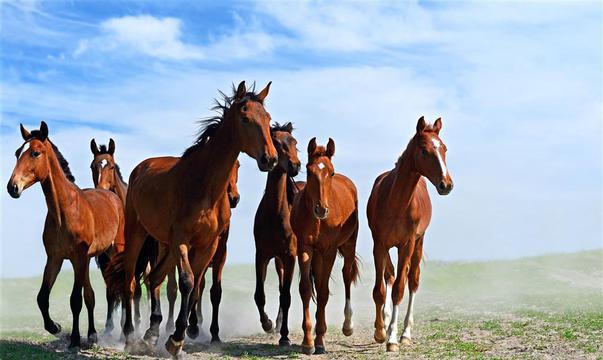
column 173, row 216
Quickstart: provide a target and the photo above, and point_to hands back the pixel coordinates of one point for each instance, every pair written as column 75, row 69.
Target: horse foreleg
column 304, row 257
column 413, row 285
column 389, row 278
column 156, row 277
column 280, row 272
column 322, row 265
column 90, row 302
column 216, row 287
column 288, row 263
column 404, row 254
column 350, row 275
column 80, row 263
column 261, row 264
column 51, row 270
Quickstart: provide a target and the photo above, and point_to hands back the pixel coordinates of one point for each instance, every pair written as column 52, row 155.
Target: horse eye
column 35, row 154
column 424, row 152
column 244, row 108
column 333, row 173
column 245, row 119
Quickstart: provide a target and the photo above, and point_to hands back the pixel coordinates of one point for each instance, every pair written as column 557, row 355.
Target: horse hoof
column 308, row 350
column 151, row 337
column 284, row 342
column 215, row 339
column 320, row 350
column 174, row 347
column 92, row 338
column 74, row 345
column 406, row 341
column 192, row 331
column 267, row 326
column 392, row 347
column 380, row 336
column 53, row 328
column 347, row 331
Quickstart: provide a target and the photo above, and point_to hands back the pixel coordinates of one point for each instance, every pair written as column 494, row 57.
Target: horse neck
column 120, row 187
column 276, row 190
column 58, row 190
column 206, row 171
column 405, row 179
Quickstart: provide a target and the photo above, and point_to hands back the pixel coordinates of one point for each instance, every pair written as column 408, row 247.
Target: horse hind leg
column 404, row 254
column 80, row 270
column 350, row 273
column 322, row 266
column 216, row 288
column 379, row 290
column 280, row 272
column 288, row 263
column 172, row 295
column 389, row 279
column 413, row 285
column 51, row 270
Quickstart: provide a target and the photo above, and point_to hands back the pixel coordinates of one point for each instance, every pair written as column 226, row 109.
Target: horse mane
column 286, row 127
column 209, row 126
column 63, row 162
column 104, row 150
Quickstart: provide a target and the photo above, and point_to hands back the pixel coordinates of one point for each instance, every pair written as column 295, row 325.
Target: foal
column 274, row 237
column 182, row 204
column 107, row 175
column 399, row 211
column 324, row 219
column 80, row 224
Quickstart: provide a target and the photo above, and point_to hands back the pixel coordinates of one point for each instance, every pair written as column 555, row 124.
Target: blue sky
column 518, row 85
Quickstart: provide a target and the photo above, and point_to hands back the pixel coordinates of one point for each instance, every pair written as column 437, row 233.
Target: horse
column 324, row 219
column 274, row 237
column 399, row 212
column 79, row 224
column 182, row 204
column 217, row 265
column 106, row 174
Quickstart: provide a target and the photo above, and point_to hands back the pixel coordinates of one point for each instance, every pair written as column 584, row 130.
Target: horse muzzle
column 445, row 187
column 266, row 162
column 320, row 212
column 293, row 169
column 13, row 190
column 234, row 201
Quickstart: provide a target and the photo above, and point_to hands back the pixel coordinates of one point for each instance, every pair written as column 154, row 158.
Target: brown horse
column 217, row 265
column 80, row 224
column 182, row 204
column 399, row 211
column 324, row 219
column 107, row 175
column 274, row 237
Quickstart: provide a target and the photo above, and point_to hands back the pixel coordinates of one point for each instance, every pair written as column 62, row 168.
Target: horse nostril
column 264, row 159
column 442, row 186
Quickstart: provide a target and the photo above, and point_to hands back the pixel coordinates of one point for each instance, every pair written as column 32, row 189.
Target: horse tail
column 390, row 272
column 115, row 274
column 148, row 254
column 313, row 278
column 356, row 270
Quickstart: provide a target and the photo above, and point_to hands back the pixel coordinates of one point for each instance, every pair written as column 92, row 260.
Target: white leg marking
column 409, row 320
column 392, row 331
column 348, row 312
column 387, row 307
column 279, row 320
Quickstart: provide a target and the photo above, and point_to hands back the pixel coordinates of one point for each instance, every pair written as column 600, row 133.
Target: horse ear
column 241, row 91
column 94, row 147
column 437, row 125
column 289, row 127
column 330, row 148
column 262, row 95
column 312, row 146
column 24, row 132
column 44, row 130
column 421, row 124
column 111, row 146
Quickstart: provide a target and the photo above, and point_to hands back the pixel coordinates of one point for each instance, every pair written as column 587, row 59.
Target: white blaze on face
column 436, row 146
column 25, row 148
column 321, row 165
column 103, row 163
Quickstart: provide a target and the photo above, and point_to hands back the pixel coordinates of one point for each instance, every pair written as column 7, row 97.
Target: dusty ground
column 541, row 308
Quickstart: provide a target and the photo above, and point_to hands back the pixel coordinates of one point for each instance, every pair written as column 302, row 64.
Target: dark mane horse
column 399, row 212
column 324, row 218
column 80, row 224
column 274, row 237
column 182, row 203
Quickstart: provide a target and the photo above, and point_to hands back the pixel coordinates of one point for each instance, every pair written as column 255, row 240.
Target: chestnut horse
column 399, row 211
column 274, row 237
column 107, row 175
column 324, row 219
column 217, row 265
column 80, row 224
column 182, row 204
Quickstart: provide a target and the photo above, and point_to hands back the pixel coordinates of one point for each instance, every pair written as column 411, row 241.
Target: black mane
column 210, row 125
column 63, row 162
column 286, row 127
